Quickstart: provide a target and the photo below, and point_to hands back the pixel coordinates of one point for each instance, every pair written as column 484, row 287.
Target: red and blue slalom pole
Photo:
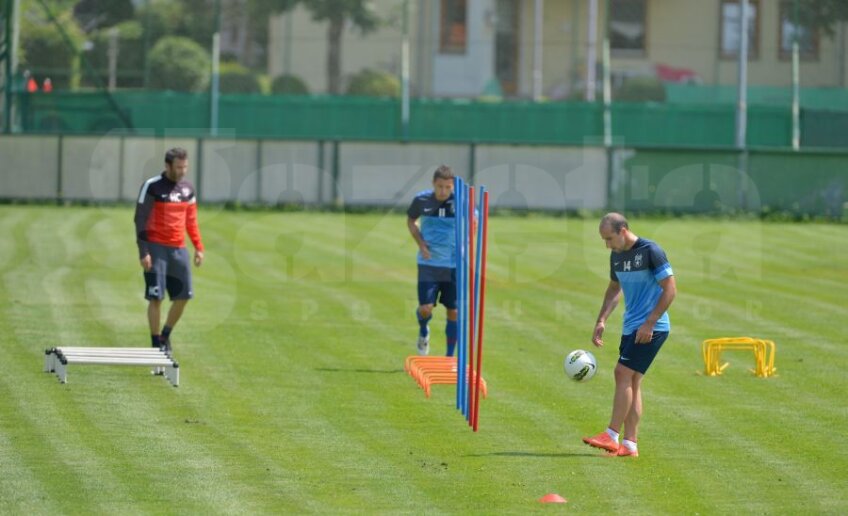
column 471, row 254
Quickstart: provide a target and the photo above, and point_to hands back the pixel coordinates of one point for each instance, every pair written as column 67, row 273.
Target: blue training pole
column 468, row 320
column 458, row 218
column 462, row 355
column 478, row 258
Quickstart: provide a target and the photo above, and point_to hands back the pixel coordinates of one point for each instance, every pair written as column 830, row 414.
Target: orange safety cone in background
column 552, row 498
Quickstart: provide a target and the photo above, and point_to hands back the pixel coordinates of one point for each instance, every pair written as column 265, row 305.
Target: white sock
column 630, row 445
column 612, row 433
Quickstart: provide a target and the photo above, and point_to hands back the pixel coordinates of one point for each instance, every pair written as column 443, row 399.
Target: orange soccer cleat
column 602, row 441
column 624, row 451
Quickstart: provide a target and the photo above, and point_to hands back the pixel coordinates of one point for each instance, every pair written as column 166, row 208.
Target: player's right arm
column 611, row 298
column 415, row 231
column 143, row 208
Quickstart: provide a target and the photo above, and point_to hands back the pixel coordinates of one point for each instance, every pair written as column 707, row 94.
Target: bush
column 178, row 64
column 640, row 89
column 372, row 83
column 235, row 78
column 289, row 85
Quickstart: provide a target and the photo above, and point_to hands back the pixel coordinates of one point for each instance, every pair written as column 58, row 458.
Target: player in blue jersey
column 640, row 271
column 431, row 222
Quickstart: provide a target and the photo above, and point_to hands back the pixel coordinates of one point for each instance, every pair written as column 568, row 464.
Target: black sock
column 154, row 341
column 166, row 332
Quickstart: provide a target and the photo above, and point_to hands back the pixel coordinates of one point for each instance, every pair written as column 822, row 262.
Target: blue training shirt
column 438, row 227
column 639, row 271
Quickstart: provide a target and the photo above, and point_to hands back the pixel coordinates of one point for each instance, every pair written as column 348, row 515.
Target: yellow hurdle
column 762, row 349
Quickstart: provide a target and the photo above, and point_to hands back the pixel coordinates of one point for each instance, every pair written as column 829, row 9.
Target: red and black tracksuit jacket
column 165, row 212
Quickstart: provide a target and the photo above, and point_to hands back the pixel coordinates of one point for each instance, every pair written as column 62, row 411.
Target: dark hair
column 175, row 153
column 616, row 221
column 443, row 172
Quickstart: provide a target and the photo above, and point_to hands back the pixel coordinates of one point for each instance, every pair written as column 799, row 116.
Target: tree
column 94, row 14
column 43, row 49
column 336, row 12
column 823, row 14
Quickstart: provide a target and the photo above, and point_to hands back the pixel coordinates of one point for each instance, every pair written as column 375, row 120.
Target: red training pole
column 485, row 221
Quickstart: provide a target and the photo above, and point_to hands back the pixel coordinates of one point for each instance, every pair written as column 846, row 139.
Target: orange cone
column 552, row 498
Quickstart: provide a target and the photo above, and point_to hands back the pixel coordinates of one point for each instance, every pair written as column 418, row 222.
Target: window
column 506, row 44
column 808, row 37
column 627, row 27
column 731, row 13
column 452, row 33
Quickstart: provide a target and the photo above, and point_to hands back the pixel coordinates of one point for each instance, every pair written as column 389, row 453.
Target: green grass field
column 293, row 397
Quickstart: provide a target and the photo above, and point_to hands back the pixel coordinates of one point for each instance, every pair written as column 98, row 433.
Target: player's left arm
column 669, row 292
column 193, row 230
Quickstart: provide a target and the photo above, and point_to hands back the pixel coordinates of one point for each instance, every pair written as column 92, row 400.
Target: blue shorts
column 437, row 284
column 639, row 356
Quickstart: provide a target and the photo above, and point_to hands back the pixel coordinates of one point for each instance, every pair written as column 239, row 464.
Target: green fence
column 346, row 118
column 809, row 98
column 795, row 183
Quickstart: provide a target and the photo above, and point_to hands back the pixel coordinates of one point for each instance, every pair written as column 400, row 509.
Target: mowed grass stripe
column 750, row 419
column 373, row 337
column 790, row 482
column 67, row 460
column 86, row 417
column 330, row 300
column 20, row 489
column 310, row 422
column 745, row 313
column 12, row 225
column 293, row 398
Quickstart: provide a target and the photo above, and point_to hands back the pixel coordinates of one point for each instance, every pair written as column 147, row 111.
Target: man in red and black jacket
column 166, row 210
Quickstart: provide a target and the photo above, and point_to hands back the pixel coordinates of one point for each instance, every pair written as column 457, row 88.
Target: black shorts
column 640, row 356
column 437, row 284
column 171, row 271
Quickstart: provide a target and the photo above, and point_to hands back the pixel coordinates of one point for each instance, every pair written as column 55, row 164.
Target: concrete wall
column 278, row 172
column 389, row 174
column 30, row 167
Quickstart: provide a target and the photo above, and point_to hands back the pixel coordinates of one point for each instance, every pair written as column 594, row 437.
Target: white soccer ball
column 580, row 365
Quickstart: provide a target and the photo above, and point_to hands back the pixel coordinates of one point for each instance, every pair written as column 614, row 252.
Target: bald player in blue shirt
column 640, row 270
column 436, row 239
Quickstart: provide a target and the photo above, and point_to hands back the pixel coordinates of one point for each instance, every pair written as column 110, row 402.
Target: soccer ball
column 580, row 365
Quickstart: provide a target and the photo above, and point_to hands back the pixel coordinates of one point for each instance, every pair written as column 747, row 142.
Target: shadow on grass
column 343, row 370
column 535, row 454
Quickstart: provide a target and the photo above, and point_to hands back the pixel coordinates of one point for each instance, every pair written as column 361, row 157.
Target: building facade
column 471, row 48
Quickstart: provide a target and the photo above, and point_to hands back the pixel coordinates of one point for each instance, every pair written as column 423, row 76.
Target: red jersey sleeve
column 192, row 227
